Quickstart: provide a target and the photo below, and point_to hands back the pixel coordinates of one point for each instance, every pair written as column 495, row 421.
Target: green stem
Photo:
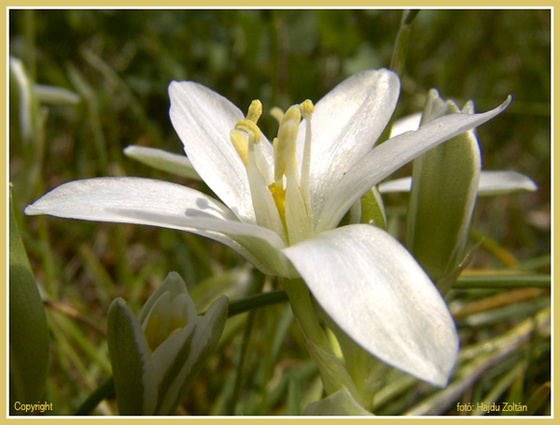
column 398, row 58
column 401, row 43
column 256, row 301
column 105, row 390
column 241, row 363
column 303, row 310
column 257, row 286
column 503, row 280
column 333, row 374
column 30, row 51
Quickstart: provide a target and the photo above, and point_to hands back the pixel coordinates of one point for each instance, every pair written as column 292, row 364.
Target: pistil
column 285, row 145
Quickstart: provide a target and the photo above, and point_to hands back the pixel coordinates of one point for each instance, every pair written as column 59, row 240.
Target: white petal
column 346, row 124
column 172, row 163
column 391, row 155
column 162, row 204
column 174, row 285
column 374, row 290
column 203, row 119
column 397, row 185
column 110, row 198
column 498, row 182
column 491, row 183
column 168, row 356
column 408, row 123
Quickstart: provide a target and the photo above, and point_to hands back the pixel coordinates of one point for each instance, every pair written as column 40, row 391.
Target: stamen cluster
column 285, row 205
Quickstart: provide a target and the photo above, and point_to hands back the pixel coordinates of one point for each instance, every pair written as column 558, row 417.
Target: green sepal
column 129, row 352
column 191, row 357
column 444, row 189
column 29, row 334
column 340, row 403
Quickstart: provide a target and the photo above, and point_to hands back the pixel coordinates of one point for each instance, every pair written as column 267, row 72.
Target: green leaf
column 340, row 403
column 53, row 95
column 29, row 334
column 401, row 44
column 23, row 102
column 129, row 352
column 539, row 397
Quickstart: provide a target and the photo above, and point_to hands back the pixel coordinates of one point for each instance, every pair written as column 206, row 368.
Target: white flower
column 281, row 205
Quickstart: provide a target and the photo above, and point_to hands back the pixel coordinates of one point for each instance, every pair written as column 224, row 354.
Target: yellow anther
column 240, row 143
column 307, row 109
column 255, row 111
column 248, row 125
column 251, row 128
column 277, row 114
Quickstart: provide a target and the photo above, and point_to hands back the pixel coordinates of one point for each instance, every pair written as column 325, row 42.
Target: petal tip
column 32, row 210
column 443, row 372
column 506, row 102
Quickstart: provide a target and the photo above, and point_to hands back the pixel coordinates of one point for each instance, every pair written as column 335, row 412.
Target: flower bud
column 445, row 181
column 156, row 356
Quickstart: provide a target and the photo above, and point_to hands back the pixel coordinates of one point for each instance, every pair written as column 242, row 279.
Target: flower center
column 287, row 187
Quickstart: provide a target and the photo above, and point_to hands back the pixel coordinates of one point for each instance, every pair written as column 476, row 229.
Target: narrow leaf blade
column 29, row 335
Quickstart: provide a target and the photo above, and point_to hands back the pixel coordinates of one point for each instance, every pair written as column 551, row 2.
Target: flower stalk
column 333, row 373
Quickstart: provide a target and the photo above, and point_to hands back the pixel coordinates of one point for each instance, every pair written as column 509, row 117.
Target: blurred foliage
column 120, row 62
